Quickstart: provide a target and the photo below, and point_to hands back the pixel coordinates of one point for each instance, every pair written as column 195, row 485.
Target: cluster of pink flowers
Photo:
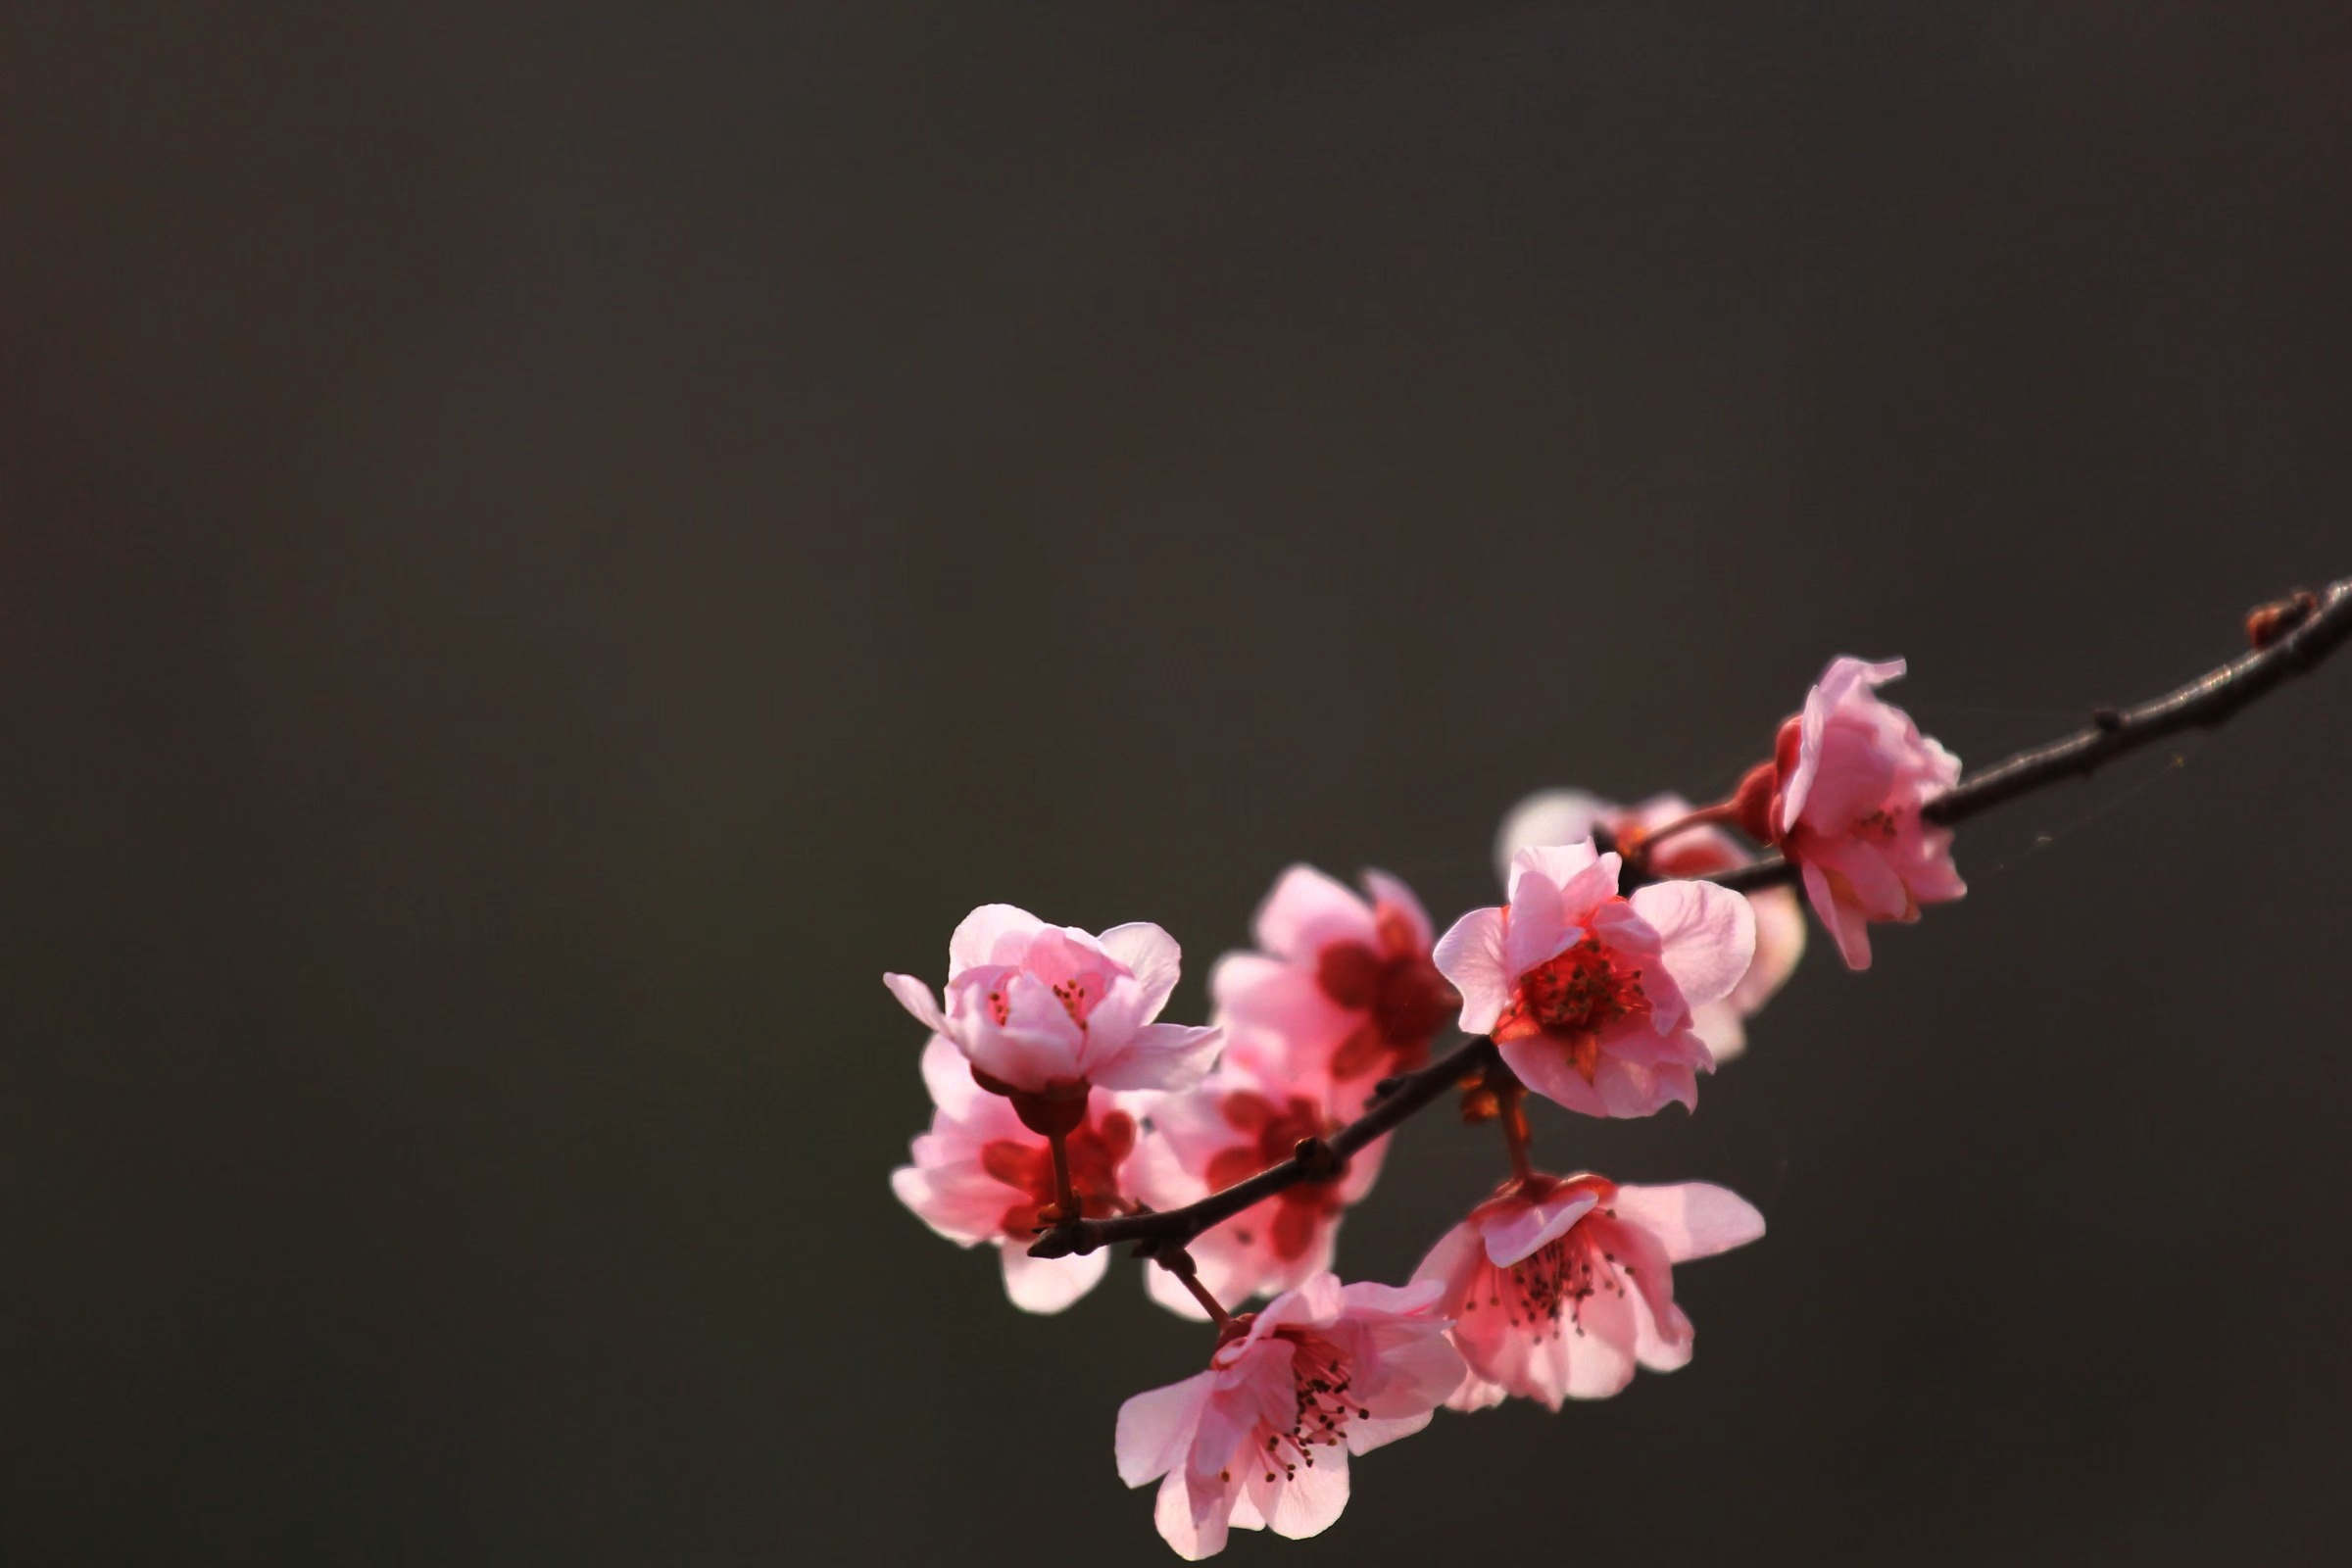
column 1612, row 975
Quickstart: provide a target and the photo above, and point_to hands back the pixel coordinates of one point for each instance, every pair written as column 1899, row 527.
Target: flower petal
column 1153, row 955
column 1047, row 1284
column 917, row 997
column 1471, row 955
column 1691, row 1219
column 1306, row 910
column 1706, row 935
column 1155, row 1428
column 993, row 933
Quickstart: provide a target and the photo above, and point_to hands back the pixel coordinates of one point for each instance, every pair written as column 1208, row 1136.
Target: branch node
column 1318, row 1160
column 2109, row 719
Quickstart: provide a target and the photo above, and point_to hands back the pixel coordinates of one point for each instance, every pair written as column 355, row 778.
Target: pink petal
column 1691, row 1219
column 1521, row 1230
column 1155, row 1428
column 1154, row 958
column 1551, row 816
column 1706, row 935
column 1538, row 928
column 993, row 933
column 1556, row 863
column 1601, row 1363
column 1307, row 909
column 1047, row 1284
column 1312, row 1497
column 1470, row 954
column 1389, row 893
column 1847, row 926
column 1544, row 1066
column 948, row 1076
column 917, row 997
column 1161, row 1055
column 1194, row 1529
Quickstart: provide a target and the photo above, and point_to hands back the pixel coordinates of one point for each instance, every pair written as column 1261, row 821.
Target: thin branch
column 2204, row 703
column 1314, row 1158
column 2287, row 647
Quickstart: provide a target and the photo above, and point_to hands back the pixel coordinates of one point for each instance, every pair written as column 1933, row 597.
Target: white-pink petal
column 1691, row 1219
column 1155, row 1428
column 1047, row 1284
column 1154, row 958
column 1706, row 935
column 1471, row 955
column 917, row 997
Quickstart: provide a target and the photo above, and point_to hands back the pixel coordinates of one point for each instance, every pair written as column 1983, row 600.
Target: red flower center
column 1406, row 999
column 1571, row 998
column 1274, row 1133
column 1097, row 1149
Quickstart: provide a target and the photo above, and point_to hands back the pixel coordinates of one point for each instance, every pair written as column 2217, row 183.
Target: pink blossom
column 979, row 1175
column 1587, row 994
column 1561, row 1287
column 1230, row 1127
column 1045, row 1010
column 1342, row 994
column 1263, row 1437
column 1562, row 816
column 1847, row 779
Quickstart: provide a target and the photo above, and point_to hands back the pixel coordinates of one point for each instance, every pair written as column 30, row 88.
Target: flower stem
column 1065, row 1191
column 1209, row 1303
column 1513, row 1102
column 1726, row 810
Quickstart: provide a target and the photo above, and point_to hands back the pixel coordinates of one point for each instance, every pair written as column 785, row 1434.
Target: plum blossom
column 1841, row 798
column 1562, row 816
column 1561, row 1286
column 1227, row 1129
column 1043, row 1011
column 980, row 1175
column 1263, row 1437
column 1589, row 995
column 1341, row 993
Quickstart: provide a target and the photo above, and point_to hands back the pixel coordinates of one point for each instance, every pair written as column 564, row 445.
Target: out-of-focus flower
column 1043, row 1011
column 1841, row 798
column 1263, row 1437
column 1234, row 1124
column 1563, row 816
column 1342, row 994
column 1587, row 994
column 979, row 1175
column 1560, row 1287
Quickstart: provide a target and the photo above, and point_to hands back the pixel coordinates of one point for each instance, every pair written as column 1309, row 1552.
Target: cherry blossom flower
column 1587, row 994
column 1560, row 1287
column 1841, row 798
column 980, row 1175
column 1263, row 1437
column 1342, row 994
column 1562, row 816
column 1043, row 1011
column 1227, row 1129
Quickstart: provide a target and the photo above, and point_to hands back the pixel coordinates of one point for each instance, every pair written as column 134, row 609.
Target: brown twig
column 1314, row 1158
column 2209, row 700
column 2205, row 701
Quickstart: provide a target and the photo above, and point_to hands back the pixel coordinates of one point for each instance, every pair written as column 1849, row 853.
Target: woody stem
column 1513, row 1106
column 1065, row 1191
column 1705, row 817
column 1209, row 1303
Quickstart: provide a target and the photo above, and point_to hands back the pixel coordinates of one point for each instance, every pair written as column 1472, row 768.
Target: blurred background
column 548, row 547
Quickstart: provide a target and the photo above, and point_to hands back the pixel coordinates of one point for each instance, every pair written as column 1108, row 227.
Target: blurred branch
column 2290, row 637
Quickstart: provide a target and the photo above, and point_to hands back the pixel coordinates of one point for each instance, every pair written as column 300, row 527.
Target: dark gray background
column 548, row 549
